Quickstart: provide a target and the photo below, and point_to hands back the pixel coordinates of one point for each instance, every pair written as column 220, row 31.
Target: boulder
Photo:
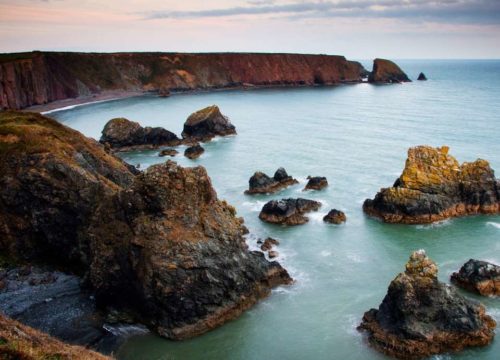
column 421, row 77
column 478, row 276
column 207, row 123
column 335, row 216
column 268, row 244
column 434, row 186
column 288, row 211
column 316, row 183
column 385, row 71
column 261, row 183
column 121, row 134
column 168, row 152
column 421, row 316
column 194, row 152
column 272, row 254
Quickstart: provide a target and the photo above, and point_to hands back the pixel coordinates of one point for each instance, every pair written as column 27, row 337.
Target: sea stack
column 421, row 316
column 386, row 71
column 434, row 186
column 421, row 77
column 207, row 123
column 288, row 211
column 478, row 276
column 261, row 183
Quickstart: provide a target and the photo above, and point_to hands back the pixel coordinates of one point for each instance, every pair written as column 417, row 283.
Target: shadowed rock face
column 385, row 71
column 421, row 316
column 478, row 276
column 434, row 186
column 207, row 123
column 288, row 211
column 261, row 183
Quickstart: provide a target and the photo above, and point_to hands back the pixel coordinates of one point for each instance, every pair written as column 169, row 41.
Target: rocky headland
column 261, row 183
column 434, row 186
column 478, row 276
column 386, row 71
column 288, row 211
column 421, row 316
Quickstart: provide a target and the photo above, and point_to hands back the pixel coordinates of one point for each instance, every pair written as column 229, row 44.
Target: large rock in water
column 207, row 123
column 122, row 134
column 421, row 316
column 261, row 183
column 478, row 276
column 434, row 186
column 179, row 257
column 288, row 211
column 385, row 71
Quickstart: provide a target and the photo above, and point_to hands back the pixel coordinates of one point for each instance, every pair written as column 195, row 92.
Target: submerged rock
column 207, row 123
column 434, row 186
column 261, row 183
column 478, row 276
column 421, row 316
column 194, row 152
column 168, row 152
column 385, row 71
column 288, row 211
column 122, row 134
column 335, row 217
column 316, row 183
column 421, row 77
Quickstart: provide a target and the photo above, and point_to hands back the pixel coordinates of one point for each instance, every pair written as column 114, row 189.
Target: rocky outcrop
column 434, row 186
column 316, row 183
column 478, row 276
column 269, row 243
column 385, row 71
column 288, row 211
column 194, row 152
column 335, row 216
column 421, row 77
column 41, row 77
column 168, row 152
column 421, row 316
column 123, row 135
column 207, row 123
column 261, row 183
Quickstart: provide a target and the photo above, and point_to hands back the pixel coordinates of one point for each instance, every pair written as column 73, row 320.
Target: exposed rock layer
column 478, row 276
column 261, row 183
column 385, row 71
column 288, row 211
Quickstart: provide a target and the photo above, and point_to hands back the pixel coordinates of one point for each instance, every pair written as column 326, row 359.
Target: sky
column 357, row 29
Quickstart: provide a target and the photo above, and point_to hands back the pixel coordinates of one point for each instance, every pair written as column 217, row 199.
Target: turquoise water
column 357, row 136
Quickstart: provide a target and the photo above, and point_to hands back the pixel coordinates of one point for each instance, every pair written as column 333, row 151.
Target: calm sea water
column 357, row 136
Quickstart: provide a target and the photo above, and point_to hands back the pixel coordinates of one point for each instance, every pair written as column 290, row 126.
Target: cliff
column 41, row 77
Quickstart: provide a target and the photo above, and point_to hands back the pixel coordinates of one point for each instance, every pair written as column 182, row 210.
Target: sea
column 358, row 137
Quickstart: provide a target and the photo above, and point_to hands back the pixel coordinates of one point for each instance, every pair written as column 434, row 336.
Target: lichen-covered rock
column 421, row 77
column 194, row 152
column 335, row 216
column 179, row 256
column 207, row 123
column 434, row 186
column 385, row 71
column 122, row 134
column 168, row 152
column 478, row 276
column 421, row 316
column 261, row 183
column 316, row 183
column 288, row 211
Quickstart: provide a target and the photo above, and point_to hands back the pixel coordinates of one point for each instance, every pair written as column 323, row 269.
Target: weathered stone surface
column 478, row 276
column 288, row 211
column 316, row 183
column 207, row 123
column 122, row 134
column 194, row 152
column 385, row 71
column 261, row 183
column 421, row 77
column 421, row 316
column 335, row 216
column 434, row 186
column 168, row 152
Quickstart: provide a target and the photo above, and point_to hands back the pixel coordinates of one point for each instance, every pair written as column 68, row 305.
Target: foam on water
column 434, row 225
column 494, row 224
column 125, row 329
column 255, row 206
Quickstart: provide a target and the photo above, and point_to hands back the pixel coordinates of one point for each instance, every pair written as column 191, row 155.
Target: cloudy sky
column 358, row 29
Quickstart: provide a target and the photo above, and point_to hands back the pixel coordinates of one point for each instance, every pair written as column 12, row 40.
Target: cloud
column 450, row 11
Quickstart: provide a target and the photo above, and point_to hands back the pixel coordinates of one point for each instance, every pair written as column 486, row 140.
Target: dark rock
column 434, row 186
column 288, row 211
column 207, row 123
column 168, row 152
column 281, row 175
column 122, row 135
column 385, row 71
column 163, row 92
column 478, row 276
column 316, row 183
column 422, row 76
column 421, row 316
column 268, row 244
column 335, row 217
column 260, row 183
column 194, row 152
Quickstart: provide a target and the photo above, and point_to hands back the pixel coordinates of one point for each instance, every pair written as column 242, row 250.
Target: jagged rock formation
column 288, row 211
column 261, row 183
column 269, row 243
column 335, row 216
column 434, row 186
column 316, row 183
column 478, row 276
column 421, row 77
column 421, row 316
column 385, row 71
column 207, row 123
column 41, row 77
column 194, row 152
column 168, row 152
column 122, row 135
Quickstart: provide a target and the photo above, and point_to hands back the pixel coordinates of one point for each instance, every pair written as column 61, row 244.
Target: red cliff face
column 42, row 77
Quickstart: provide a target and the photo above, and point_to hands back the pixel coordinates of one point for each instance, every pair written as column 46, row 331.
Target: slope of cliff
column 41, row 77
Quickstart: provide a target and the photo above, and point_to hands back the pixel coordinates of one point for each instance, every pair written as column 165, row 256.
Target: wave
column 494, row 224
column 434, row 225
column 254, row 205
column 125, row 330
